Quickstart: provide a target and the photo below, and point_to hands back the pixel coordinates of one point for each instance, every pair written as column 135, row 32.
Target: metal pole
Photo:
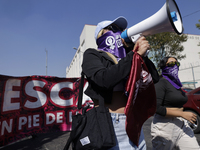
column 46, row 60
column 193, row 76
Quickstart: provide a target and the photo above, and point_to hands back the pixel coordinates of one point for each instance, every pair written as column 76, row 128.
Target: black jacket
column 103, row 74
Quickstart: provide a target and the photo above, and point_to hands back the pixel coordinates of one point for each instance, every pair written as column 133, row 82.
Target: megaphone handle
column 134, row 39
column 147, row 52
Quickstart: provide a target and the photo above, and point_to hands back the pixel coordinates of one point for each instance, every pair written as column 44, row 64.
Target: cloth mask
column 112, row 43
column 171, row 74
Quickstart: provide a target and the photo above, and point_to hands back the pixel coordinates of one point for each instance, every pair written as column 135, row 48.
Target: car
column 186, row 89
column 193, row 105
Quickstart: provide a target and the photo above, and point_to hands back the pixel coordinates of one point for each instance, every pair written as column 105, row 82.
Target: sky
column 33, row 32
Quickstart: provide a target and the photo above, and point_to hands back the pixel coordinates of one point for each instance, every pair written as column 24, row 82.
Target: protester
column 169, row 128
column 107, row 69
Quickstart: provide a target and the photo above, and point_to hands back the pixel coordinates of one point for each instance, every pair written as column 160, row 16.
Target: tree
column 166, row 44
column 198, row 26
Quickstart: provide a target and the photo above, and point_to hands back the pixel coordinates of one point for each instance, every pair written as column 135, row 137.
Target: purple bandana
column 171, row 74
column 112, row 43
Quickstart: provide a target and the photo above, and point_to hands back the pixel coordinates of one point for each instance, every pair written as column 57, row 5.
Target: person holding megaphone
column 107, row 69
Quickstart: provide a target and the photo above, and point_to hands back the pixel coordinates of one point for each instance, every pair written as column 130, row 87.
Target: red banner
column 36, row 104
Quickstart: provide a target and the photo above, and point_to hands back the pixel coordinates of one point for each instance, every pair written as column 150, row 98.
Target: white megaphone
column 167, row 19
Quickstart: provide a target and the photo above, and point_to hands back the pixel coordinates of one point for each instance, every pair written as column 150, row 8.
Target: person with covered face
column 107, row 68
column 170, row 129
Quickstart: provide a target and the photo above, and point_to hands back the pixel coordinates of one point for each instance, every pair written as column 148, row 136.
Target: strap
column 79, row 125
column 101, row 104
column 79, row 105
column 81, row 120
column 80, row 92
column 68, row 143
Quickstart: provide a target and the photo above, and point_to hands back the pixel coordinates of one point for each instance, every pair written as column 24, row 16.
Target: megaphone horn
column 167, row 19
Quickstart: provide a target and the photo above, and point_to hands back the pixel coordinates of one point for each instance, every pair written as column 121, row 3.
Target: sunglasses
column 173, row 63
column 113, row 28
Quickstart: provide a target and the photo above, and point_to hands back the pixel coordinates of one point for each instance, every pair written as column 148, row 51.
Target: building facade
column 189, row 72
column 87, row 40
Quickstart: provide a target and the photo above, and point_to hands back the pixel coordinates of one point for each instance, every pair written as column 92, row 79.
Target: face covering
column 112, row 43
column 171, row 74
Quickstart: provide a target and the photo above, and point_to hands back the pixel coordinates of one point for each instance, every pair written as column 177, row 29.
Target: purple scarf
column 171, row 74
column 112, row 43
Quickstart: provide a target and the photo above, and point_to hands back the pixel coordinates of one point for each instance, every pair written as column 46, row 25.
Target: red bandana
column 141, row 100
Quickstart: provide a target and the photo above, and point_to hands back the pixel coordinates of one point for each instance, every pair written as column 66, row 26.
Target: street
column 57, row 140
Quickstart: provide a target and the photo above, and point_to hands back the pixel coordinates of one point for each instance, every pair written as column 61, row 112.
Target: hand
column 143, row 46
column 191, row 117
column 178, row 112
